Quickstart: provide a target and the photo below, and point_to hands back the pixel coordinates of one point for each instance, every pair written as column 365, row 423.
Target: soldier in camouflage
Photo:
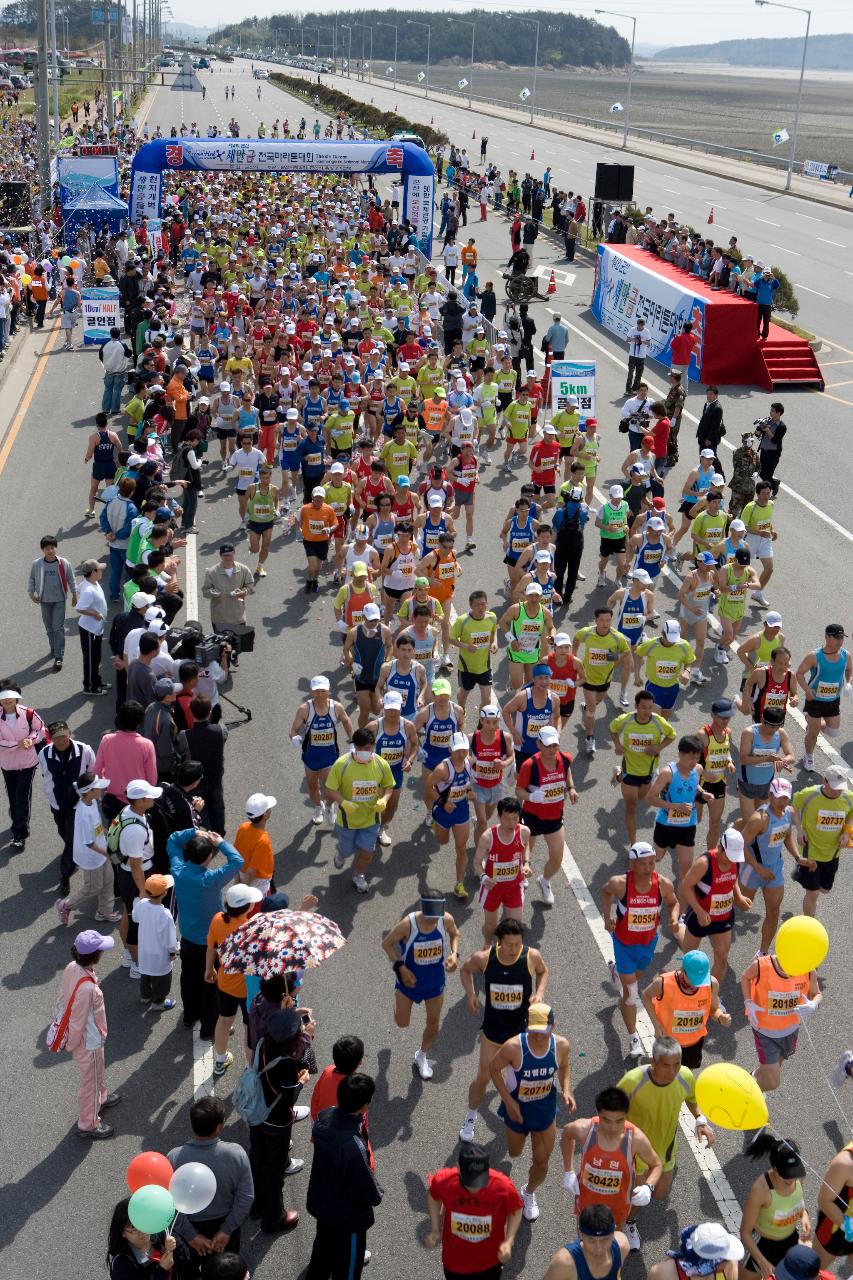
column 744, row 468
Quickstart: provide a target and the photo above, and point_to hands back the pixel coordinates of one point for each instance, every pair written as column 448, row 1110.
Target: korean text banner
column 625, row 291
column 100, row 314
column 573, row 378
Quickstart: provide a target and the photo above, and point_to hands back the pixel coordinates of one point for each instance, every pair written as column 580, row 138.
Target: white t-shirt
column 88, row 830
column 136, row 838
column 157, row 937
column 91, row 596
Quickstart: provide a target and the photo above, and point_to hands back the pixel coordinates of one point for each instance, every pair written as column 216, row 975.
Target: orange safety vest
column 445, row 573
column 777, row 997
column 682, row 1016
column 607, row 1177
column 469, row 255
column 435, row 414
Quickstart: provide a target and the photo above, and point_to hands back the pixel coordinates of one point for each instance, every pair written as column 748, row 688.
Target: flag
column 780, row 136
column 463, row 84
column 389, row 71
column 365, row 66
column 344, row 64
column 524, row 95
column 421, row 75
column 617, row 106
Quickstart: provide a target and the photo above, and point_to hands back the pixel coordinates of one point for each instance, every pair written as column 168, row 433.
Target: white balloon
column 192, row 1187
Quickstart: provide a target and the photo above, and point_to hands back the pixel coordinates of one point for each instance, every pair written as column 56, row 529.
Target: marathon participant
column 600, row 648
column 526, row 1071
column 359, row 783
column 447, row 794
column 490, row 756
column 757, row 515
column 368, row 646
column 764, row 750
column 423, row 948
column 674, row 793
column 705, row 1249
column 527, row 634
column 759, row 646
column 474, row 634
column 262, row 501
column 681, row 1002
column 711, row 891
column 823, row 675
column 528, row 711
column 502, row 861
column 609, row 1147
column 774, row 1209
column 772, row 684
column 442, row 568
column 404, row 675
column 317, row 523
column 566, row 674
column 481, row 1216
column 766, row 835
column 597, row 1254
column 542, row 785
column 633, row 606
column 717, row 764
column 639, row 896
column 823, row 816
column 315, row 732
column 612, row 521
column 638, row 738
column 397, row 745
column 833, row 1202
column 775, row 1003
column 668, row 659
column 735, row 579
column 356, row 592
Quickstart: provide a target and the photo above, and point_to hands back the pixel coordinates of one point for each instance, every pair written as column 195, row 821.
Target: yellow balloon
column 802, row 944
column 25, row 279
column 730, row 1097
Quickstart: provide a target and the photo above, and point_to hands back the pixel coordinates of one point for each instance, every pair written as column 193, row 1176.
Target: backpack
column 248, row 1096
column 179, row 468
column 570, row 524
column 114, row 839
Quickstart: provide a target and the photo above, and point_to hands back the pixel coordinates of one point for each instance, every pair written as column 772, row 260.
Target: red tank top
column 405, row 510
column 638, row 914
column 371, row 492
column 774, row 694
column 715, row 891
column 551, row 781
column 485, row 770
column 503, row 861
column 607, row 1177
column 560, row 677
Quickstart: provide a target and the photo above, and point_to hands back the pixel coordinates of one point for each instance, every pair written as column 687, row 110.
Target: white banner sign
column 100, row 314
column 573, row 378
column 418, row 205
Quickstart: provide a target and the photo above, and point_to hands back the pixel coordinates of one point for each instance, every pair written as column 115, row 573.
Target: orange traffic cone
column 432, row 119
column 533, row 155
column 552, row 284
column 711, row 216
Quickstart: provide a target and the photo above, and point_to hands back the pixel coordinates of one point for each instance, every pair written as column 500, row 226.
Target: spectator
column 61, row 763
column 158, row 943
column 21, row 731
column 140, row 678
column 282, row 1077
column 87, row 1031
column 123, row 756
column 681, row 348
column 205, row 742
column 765, row 284
column 556, row 338
column 133, row 1254
column 113, row 355
column 639, row 342
column 342, row 1189
column 51, row 580
column 198, row 887
column 770, row 432
column 160, row 728
column 711, row 430
column 92, row 610
column 217, row 1228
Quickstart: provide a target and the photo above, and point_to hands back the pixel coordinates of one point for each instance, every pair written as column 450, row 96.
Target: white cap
column 713, row 1242
column 459, row 742
column 460, row 384
column 639, row 575
column 572, row 400
column 240, row 896
column 738, row 526
column 393, row 701
column 561, row 638
column 336, row 469
column 617, row 492
column 319, row 682
column 292, row 415
column 772, row 619
column 542, row 557
column 533, row 589
column 641, row 849
column 707, row 453
column 672, row 629
column 490, row 712
column 225, row 386
column 436, row 500
column 466, row 417
column 549, row 429
column 140, row 598
column 372, row 611
column 731, row 842
column 836, row 777
column 258, row 804
column 139, row 789
column 780, row 787
column 318, row 491
column 548, row 736
column 656, row 523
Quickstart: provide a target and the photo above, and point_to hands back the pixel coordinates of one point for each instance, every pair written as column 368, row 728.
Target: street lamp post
column 463, row 22
column 346, row 27
column 396, row 40
column 537, row 25
column 794, row 9
column 413, row 23
column 613, row 13
column 364, row 27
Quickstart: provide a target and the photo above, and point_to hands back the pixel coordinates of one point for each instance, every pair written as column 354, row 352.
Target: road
column 808, row 241
column 50, row 1179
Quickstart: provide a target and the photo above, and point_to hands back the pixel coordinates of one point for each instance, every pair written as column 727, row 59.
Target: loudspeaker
column 614, row 182
column 15, row 204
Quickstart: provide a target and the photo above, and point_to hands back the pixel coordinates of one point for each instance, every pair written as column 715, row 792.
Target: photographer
column 637, row 414
column 205, row 742
column 770, row 432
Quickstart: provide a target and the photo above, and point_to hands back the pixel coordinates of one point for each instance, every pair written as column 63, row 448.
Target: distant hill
column 826, row 53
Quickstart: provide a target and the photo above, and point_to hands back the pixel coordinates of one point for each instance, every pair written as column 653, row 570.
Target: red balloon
column 148, row 1168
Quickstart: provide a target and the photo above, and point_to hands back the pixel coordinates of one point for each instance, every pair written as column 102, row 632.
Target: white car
column 260, row 74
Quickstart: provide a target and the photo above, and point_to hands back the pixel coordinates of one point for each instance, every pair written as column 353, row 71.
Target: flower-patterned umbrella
column 273, row 941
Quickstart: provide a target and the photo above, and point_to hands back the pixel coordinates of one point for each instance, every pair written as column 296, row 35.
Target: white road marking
column 816, row 292
column 837, row 243
column 768, row 222
column 809, row 216
column 784, row 248
column 561, row 277
column 192, row 576
column 673, row 190
column 202, row 1067
column 709, row 1166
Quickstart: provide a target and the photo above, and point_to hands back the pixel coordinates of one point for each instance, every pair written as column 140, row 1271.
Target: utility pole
column 108, row 66
column 54, row 63
column 42, row 110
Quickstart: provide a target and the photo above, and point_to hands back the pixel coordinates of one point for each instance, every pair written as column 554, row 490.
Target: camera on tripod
column 190, row 643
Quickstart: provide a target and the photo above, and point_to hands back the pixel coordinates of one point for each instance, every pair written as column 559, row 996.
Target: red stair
column 786, row 360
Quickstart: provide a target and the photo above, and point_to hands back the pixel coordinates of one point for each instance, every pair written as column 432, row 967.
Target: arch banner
column 281, row 155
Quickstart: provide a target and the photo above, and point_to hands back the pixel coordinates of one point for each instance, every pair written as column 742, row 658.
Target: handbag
column 57, row 1032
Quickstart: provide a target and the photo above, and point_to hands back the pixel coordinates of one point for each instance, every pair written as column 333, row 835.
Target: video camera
column 189, row 643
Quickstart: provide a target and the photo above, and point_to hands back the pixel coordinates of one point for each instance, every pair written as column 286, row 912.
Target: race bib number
column 640, row 921
column 602, row 1182
column 505, row 870
column 827, row 690
column 685, row 1020
column 598, row 657
column 364, row 790
column 554, row 791
column 480, row 639
column 781, row 1004
column 391, row 755
column 680, row 816
column 503, row 996
column 322, row 737
column 721, row 905
column 440, row 738
column 639, row 741
column 829, row 820
column 428, row 952
column 777, row 836
column 534, row 1090
column 317, row 527
column 472, row 1228
column 665, row 671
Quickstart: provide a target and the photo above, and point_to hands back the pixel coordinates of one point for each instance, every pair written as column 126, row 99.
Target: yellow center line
column 840, row 384
column 26, row 399
column 848, row 404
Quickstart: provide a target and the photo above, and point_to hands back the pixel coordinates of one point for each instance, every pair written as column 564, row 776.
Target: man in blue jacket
column 342, row 1189
column 765, row 284
column 116, row 522
column 198, row 890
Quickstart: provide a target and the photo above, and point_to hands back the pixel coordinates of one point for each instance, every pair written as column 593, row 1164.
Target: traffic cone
column 711, row 216
column 474, row 136
column 432, row 119
column 533, row 155
column 552, row 284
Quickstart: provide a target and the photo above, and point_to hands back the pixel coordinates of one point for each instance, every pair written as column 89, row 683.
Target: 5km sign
column 573, row 378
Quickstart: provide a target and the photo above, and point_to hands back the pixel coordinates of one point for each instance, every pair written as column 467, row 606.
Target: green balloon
column 66, row 262
column 151, row 1209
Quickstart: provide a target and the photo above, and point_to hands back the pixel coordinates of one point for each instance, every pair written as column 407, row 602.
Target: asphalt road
column 57, row 1193
column 807, row 240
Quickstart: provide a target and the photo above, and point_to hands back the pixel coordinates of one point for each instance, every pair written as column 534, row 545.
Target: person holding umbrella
column 282, row 1078
column 231, row 987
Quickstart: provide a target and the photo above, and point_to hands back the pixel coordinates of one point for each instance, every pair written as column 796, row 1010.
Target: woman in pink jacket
column 87, row 1031
column 21, row 732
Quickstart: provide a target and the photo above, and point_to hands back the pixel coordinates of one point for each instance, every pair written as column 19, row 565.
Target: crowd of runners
column 288, row 351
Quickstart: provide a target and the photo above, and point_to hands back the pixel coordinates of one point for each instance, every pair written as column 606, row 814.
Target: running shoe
column 360, row 883
column 460, row 891
column 635, row 1046
column 221, row 1065
column 384, row 838
column 62, row 909
column 317, row 816
column 546, row 890
column 424, row 1070
column 531, row 1205
column 466, row 1133
column 632, row 1236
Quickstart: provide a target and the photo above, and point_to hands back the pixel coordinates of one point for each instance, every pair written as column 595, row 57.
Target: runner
column 528, row 626
column 359, row 783
column 315, row 732
column 404, row 675
column 490, row 756
column 705, row 1249
column 695, row 598
column 772, row 684
column 529, row 711
column 735, row 579
column 566, row 674
column 261, row 513
column 442, row 568
column 482, row 1214
column 600, row 648
column 775, row 1004
column 668, row 659
column 317, row 522
column 766, row 835
column 474, row 634
column 612, row 521
column 543, row 783
column 774, row 1210
column 823, row 814
column 681, row 1002
column 368, row 646
column 397, row 745
column 757, row 515
column 764, row 750
column 674, row 793
column 597, row 1254
column 717, row 764
column 447, row 793
column 633, row 606
column 638, row 738
column 834, row 1199
column 502, row 861
column 822, row 675
column 526, row 1071
column 439, row 720
column 423, row 948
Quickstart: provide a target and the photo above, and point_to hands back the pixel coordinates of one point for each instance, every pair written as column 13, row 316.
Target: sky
column 659, row 22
